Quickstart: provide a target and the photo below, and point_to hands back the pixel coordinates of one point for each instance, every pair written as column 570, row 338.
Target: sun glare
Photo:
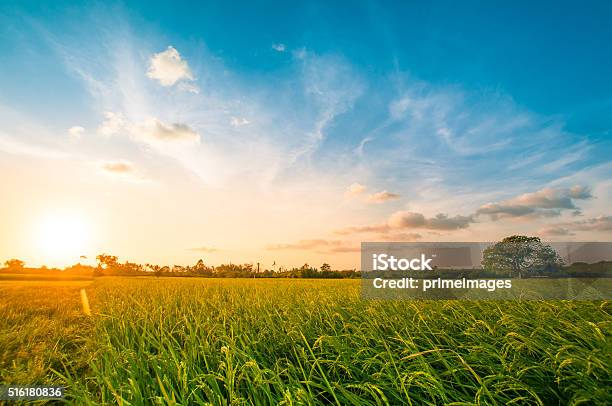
column 63, row 237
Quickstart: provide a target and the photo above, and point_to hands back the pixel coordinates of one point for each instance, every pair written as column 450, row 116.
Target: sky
column 289, row 133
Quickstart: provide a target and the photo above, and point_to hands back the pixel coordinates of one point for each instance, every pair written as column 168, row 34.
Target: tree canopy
column 520, row 256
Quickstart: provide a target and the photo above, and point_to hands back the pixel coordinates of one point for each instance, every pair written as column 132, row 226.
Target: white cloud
column 151, row 130
column 355, row 189
column 382, row 197
column 113, row 124
column 279, row 47
column 168, row 67
column 239, row 121
column 155, row 130
column 76, row 132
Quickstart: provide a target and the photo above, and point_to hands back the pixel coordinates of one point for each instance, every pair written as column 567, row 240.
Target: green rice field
column 258, row 342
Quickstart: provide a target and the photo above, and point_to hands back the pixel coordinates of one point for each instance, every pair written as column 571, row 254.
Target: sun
column 63, row 237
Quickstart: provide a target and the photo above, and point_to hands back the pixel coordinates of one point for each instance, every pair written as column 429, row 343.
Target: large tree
column 107, row 262
column 15, row 264
column 520, row 256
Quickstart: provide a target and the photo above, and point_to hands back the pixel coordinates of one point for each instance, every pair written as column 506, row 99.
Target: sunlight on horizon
column 62, row 237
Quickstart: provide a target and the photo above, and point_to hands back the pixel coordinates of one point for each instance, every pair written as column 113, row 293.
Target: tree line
column 109, row 265
column 513, row 257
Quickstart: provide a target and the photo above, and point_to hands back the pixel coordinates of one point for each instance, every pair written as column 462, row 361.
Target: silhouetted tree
column 14, row 264
column 156, row 269
column 107, row 262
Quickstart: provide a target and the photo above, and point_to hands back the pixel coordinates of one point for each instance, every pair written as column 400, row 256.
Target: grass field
column 235, row 341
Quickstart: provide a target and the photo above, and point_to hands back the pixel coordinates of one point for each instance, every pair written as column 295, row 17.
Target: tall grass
column 42, row 329
column 195, row 341
column 293, row 342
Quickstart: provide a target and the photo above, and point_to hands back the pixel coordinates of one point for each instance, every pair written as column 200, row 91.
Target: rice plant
column 258, row 342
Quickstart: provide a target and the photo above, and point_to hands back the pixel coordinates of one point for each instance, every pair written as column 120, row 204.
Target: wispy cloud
column 362, row 144
column 601, row 224
column 21, row 135
column 555, row 231
column 300, row 245
column 13, row 146
column 399, row 237
column 332, row 86
column 344, row 249
column 239, row 121
column 374, row 228
column 382, row 197
column 113, row 124
column 310, row 245
column 122, row 169
column 204, row 249
column 437, row 133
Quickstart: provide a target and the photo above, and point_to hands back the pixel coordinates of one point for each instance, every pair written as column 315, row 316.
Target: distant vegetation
column 109, row 265
column 513, row 257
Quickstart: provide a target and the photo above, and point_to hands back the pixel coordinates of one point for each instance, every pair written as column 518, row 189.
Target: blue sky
column 483, row 117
